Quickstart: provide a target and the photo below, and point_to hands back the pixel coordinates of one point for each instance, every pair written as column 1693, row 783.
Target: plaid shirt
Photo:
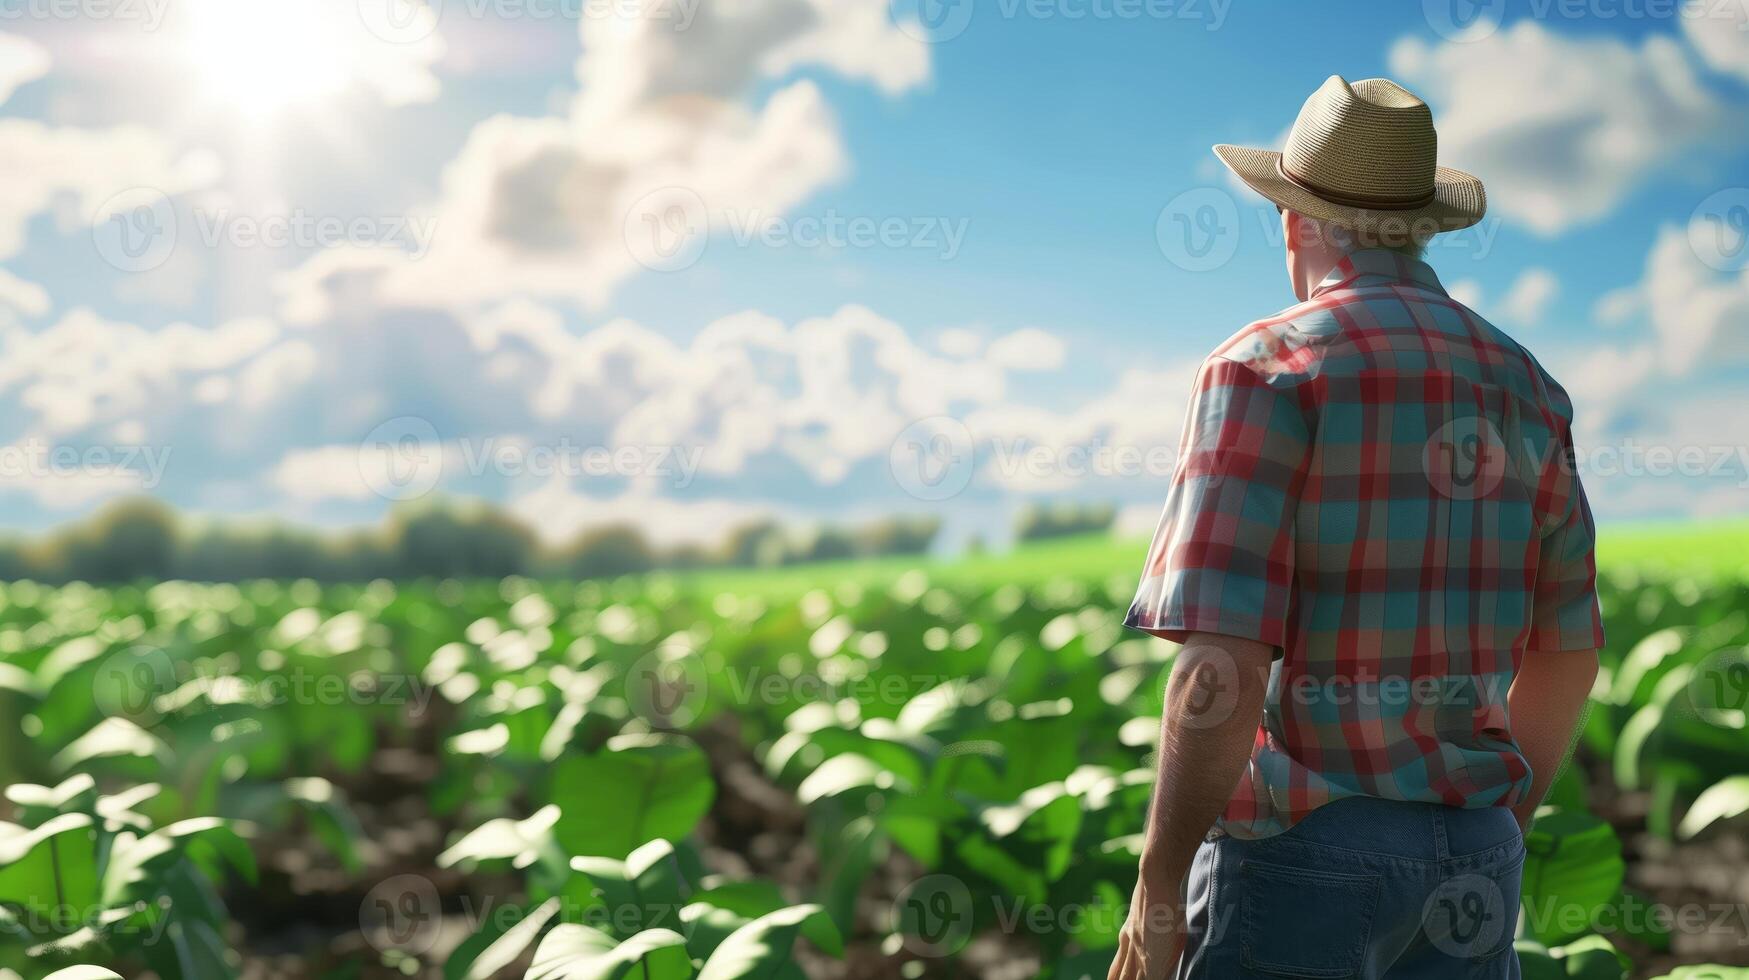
column 1378, row 483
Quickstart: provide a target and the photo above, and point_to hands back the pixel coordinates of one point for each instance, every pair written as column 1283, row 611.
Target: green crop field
column 879, row 769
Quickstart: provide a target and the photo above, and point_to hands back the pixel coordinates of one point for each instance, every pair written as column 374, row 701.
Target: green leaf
column 83, row 973
column 642, row 892
column 51, row 872
column 111, row 737
column 1572, row 868
column 1592, row 958
column 482, row 955
column 1723, row 800
column 841, row 774
column 640, row 787
column 752, row 899
column 577, row 952
column 760, row 948
column 503, row 839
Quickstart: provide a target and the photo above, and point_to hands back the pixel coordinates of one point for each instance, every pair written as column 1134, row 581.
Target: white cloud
column 1529, row 296
column 959, row 342
column 1027, row 349
column 43, row 162
column 20, row 296
column 1561, row 129
column 83, row 370
column 1720, row 31
column 549, row 206
column 360, row 471
column 21, row 60
column 558, row 512
column 1467, row 292
column 1697, row 312
column 387, row 48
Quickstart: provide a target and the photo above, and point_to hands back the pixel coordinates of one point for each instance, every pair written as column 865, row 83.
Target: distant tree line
column 1061, row 519
column 144, row 539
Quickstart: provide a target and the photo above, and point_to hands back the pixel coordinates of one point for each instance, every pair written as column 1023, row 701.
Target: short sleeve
column 1222, row 560
column 1564, row 614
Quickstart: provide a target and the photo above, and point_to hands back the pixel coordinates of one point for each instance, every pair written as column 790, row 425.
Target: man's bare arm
column 1547, row 698
column 1213, row 707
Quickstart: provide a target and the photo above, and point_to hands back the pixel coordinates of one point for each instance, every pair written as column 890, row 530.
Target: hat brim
column 1458, row 198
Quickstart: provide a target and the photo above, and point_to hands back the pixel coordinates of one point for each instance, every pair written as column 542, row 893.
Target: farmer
column 1378, row 559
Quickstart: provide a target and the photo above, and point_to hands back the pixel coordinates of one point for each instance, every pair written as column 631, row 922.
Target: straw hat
column 1363, row 156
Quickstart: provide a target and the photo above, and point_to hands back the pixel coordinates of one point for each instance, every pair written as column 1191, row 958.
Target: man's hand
column 1545, row 705
column 1153, row 935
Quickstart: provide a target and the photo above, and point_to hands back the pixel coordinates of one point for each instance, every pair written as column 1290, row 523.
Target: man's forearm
column 1213, row 707
column 1547, row 699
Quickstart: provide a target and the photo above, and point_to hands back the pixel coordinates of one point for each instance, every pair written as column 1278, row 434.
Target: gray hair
column 1411, row 242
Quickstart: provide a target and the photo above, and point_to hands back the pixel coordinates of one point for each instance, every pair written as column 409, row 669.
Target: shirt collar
column 1376, row 266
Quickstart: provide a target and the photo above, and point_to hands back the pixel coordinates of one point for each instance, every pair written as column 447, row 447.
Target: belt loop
column 1441, row 850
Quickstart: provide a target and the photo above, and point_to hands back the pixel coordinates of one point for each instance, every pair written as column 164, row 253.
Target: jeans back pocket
column 1300, row 922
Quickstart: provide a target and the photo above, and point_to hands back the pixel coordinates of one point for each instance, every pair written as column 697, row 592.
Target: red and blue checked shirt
column 1378, row 483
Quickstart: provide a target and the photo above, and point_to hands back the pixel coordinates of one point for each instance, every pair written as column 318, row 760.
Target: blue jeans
column 1361, row 887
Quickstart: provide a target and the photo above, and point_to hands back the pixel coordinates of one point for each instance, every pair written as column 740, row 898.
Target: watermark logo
column 135, row 231
column 667, row 689
column 149, row 14
column 1199, row 229
column 401, row 913
column 1719, row 687
column 1463, row 20
column 401, row 459
column 666, row 230
column 129, row 681
column 400, row 21
column 1718, row 230
column 933, row 458
column 933, row 915
column 931, row 21
column 1465, row 459
column 1466, row 917
column 1213, row 679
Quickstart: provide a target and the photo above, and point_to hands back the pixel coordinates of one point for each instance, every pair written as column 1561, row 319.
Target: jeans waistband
column 1424, row 831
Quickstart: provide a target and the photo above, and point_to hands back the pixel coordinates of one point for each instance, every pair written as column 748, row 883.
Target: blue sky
column 310, row 260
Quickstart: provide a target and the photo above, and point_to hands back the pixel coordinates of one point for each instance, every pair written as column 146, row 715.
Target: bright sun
column 267, row 55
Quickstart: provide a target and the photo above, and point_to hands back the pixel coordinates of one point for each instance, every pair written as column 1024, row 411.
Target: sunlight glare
column 265, row 55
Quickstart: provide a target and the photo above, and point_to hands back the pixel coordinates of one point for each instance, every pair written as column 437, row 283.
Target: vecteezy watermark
column 1718, row 688
column 138, row 230
column 402, row 913
column 667, row 688
column 1466, row 21
column 1467, row 917
column 1718, row 230
column 135, row 230
column 149, row 14
column 666, row 229
column 670, row 687
column 303, row 229
column 931, row 233
column 405, row 459
column 1463, row 20
column 1200, row 230
column 133, row 682
column 34, row 459
column 1210, row 693
column 410, row 21
column 935, row 21
column 1631, row 915
column 933, row 458
column 1465, row 459
column 933, row 915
